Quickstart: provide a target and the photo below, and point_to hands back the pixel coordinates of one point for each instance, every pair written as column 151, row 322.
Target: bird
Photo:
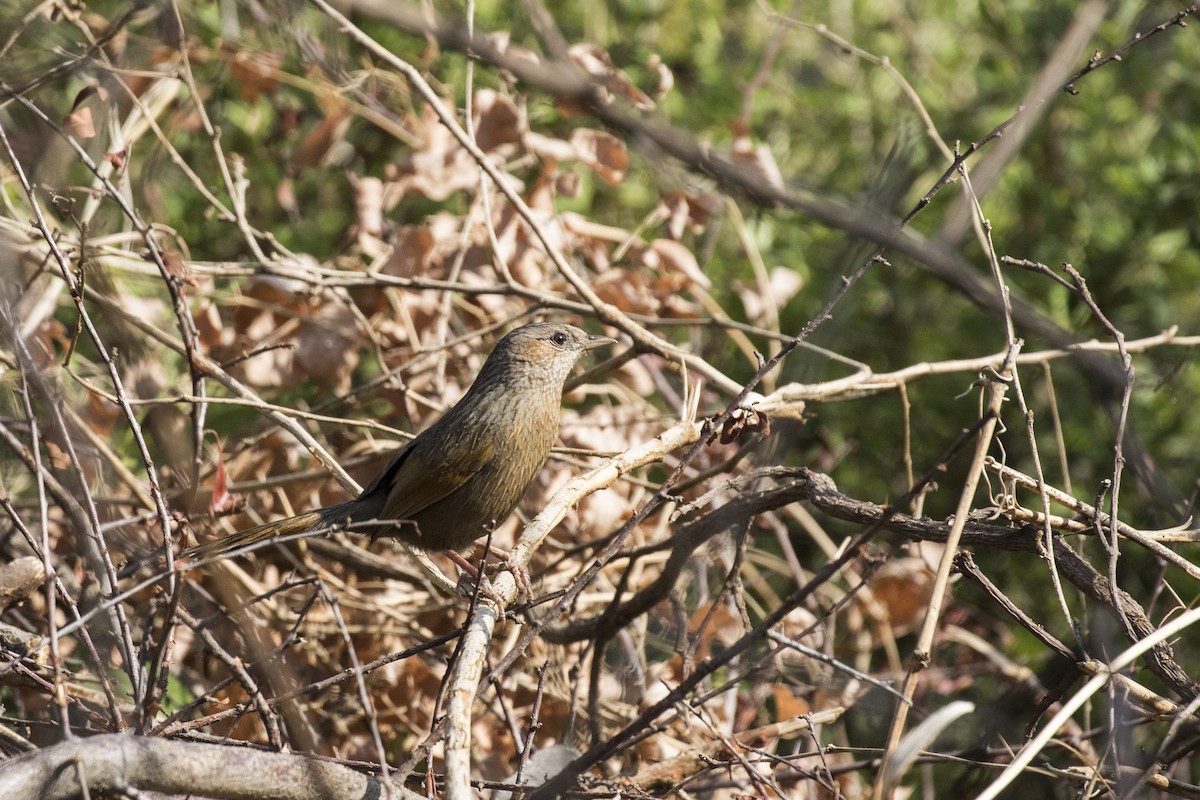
column 464, row 474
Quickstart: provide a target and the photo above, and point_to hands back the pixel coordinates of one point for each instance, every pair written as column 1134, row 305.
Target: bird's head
column 541, row 351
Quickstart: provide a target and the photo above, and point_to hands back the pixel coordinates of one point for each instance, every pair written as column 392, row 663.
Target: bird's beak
column 597, row 341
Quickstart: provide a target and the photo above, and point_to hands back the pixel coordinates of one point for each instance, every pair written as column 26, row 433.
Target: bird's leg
column 519, row 573
column 474, row 578
column 464, row 563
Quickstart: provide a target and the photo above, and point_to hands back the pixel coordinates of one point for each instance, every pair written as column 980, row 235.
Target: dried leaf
column 315, row 148
column 59, row 458
column 666, row 78
column 499, row 123
column 270, row 290
column 668, row 288
column 625, row 290
column 86, row 92
column 596, row 62
column 285, row 195
column 209, row 326
column 602, row 152
column 585, row 227
column 412, row 252
column 368, row 214
column 783, row 284
column 688, row 212
column 79, row 123
column 670, row 255
column 787, row 704
column 757, row 160
column 439, row 169
column 502, row 41
column 903, row 588
column 223, row 503
column 101, row 413
column 550, row 147
column 722, row 625
column 602, row 512
column 254, row 73
column 326, row 350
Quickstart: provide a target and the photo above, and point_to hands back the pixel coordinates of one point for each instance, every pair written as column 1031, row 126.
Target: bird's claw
column 521, row 577
column 469, row 584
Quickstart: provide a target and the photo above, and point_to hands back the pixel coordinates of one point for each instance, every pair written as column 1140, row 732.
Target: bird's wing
column 422, row 478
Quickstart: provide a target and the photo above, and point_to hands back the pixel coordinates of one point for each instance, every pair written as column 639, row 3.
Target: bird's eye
column 559, row 338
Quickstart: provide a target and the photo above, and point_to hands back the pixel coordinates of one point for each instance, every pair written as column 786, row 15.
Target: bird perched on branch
column 466, row 472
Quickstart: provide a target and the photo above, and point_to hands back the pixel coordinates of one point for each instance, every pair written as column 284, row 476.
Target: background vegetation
column 246, row 248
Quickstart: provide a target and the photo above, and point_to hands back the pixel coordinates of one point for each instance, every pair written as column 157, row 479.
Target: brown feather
column 469, row 470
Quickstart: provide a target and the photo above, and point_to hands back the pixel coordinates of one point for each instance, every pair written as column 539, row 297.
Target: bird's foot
column 521, row 576
column 469, row 583
column 473, row 580
column 472, row 577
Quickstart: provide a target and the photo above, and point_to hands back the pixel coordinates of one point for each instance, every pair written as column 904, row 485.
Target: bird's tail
column 259, row 533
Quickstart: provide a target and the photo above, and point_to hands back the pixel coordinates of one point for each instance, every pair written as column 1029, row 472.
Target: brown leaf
column 79, row 123
column 326, row 350
column 549, row 147
column 787, row 704
column 412, row 252
column 101, row 413
column 782, row 286
column 626, row 290
column 757, row 160
column 499, row 123
column 439, row 169
column 674, row 306
column 602, row 152
column 903, row 588
column 59, row 458
column 502, row 41
column 688, row 212
column 254, row 73
column 666, row 79
column 86, row 92
column 209, row 326
column 585, row 227
column 368, row 208
column 269, row 290
column 285, row 195
column 673, row 256
column 596, row 62
column 593, row 59
column 320, row 141
column 223, row 503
